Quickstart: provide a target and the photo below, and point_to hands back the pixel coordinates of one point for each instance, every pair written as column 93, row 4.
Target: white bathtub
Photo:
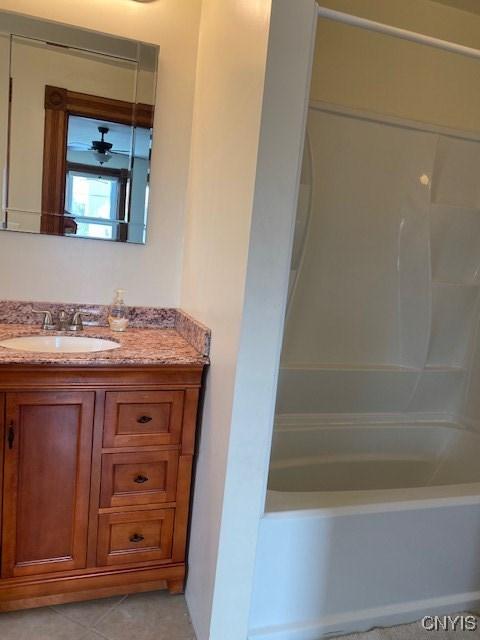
column 367, row 524
column 317, row 464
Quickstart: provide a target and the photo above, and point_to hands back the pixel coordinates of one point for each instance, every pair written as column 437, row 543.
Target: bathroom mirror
column 76, row 109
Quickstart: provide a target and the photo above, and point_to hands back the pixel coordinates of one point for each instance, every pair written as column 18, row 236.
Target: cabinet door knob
column 140, row 479
column 144, row 419
column 11, row 435
column 136, row 538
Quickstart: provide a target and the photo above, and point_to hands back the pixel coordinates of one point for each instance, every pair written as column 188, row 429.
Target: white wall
column 228, row 101
column 63, row 269
column 242, row 195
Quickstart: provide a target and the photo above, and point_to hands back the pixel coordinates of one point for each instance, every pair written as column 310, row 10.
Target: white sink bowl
column 59, row 344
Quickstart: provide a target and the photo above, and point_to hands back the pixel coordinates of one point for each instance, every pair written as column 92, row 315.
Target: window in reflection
column 91, row 196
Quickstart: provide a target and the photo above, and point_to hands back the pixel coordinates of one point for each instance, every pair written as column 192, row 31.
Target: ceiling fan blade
column 83, row 146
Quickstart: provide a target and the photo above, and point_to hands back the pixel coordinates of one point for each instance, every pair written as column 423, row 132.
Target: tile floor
column 154, row 616
column 146, row 616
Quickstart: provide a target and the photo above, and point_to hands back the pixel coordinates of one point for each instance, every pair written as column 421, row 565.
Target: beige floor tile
column 89, row 612
column 38, row 624
column 148, row 616
column 92, row 635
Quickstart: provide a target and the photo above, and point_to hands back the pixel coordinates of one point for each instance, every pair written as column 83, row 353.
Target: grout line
column 66, row 617
column 87, row 626
column 112, row 608
column 96, row 633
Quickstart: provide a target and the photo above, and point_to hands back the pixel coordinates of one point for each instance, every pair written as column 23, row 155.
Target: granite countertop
column 138, row 346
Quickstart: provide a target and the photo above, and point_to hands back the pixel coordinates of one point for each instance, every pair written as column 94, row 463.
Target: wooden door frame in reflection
column 61, row 103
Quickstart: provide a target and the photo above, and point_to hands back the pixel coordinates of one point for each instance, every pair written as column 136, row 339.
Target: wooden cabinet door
column 48, row 447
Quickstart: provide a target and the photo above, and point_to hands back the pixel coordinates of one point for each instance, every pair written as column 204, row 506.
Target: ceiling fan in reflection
column 101, row 149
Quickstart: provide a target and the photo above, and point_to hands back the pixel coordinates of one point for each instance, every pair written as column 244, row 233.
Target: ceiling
column 81, row 131
column 473, row 6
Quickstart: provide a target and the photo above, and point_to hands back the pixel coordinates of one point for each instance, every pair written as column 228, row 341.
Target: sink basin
column 59, row 344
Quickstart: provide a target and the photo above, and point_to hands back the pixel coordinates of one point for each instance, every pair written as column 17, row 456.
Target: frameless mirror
column 76, row 149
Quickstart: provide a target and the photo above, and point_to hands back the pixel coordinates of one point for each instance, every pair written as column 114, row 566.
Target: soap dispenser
column 118, row 314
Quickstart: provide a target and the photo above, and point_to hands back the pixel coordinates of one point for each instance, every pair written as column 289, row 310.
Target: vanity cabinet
column 96, row 473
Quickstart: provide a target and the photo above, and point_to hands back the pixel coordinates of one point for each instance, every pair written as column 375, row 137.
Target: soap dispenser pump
column 118, row 314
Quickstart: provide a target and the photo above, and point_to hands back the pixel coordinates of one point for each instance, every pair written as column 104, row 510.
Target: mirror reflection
column 79, row 139
column 106, row 178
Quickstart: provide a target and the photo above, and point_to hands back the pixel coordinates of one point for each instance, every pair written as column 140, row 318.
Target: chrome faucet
column 64, row 321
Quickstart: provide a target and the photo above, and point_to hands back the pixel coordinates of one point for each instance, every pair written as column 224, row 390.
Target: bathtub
column 369, row 522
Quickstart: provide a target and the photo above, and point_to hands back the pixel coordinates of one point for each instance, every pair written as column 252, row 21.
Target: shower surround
column 374, row 490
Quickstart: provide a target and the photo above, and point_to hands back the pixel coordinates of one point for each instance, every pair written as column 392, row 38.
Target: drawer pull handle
column 144, row 419
column 140, row 479
column 136, row 538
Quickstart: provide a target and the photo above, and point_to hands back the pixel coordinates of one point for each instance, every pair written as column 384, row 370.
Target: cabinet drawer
column 138, row 478
column 141, row 536
column 136, row 418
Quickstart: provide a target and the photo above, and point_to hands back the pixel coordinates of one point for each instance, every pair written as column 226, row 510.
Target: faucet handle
column 77, row 319
column 47, row 322
column 77, row 322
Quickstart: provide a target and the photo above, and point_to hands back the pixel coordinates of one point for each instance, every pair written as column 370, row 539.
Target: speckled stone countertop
column 138, row 346
column 195, row 333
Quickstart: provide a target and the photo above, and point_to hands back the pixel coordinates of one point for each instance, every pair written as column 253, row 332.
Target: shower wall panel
column 384, row 302
column 362, row 293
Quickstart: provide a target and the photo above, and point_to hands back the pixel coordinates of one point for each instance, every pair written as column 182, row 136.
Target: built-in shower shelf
column 347, row 366
column 454, row 207
column 388, row 368
column 453, row 283
column 443, row 368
